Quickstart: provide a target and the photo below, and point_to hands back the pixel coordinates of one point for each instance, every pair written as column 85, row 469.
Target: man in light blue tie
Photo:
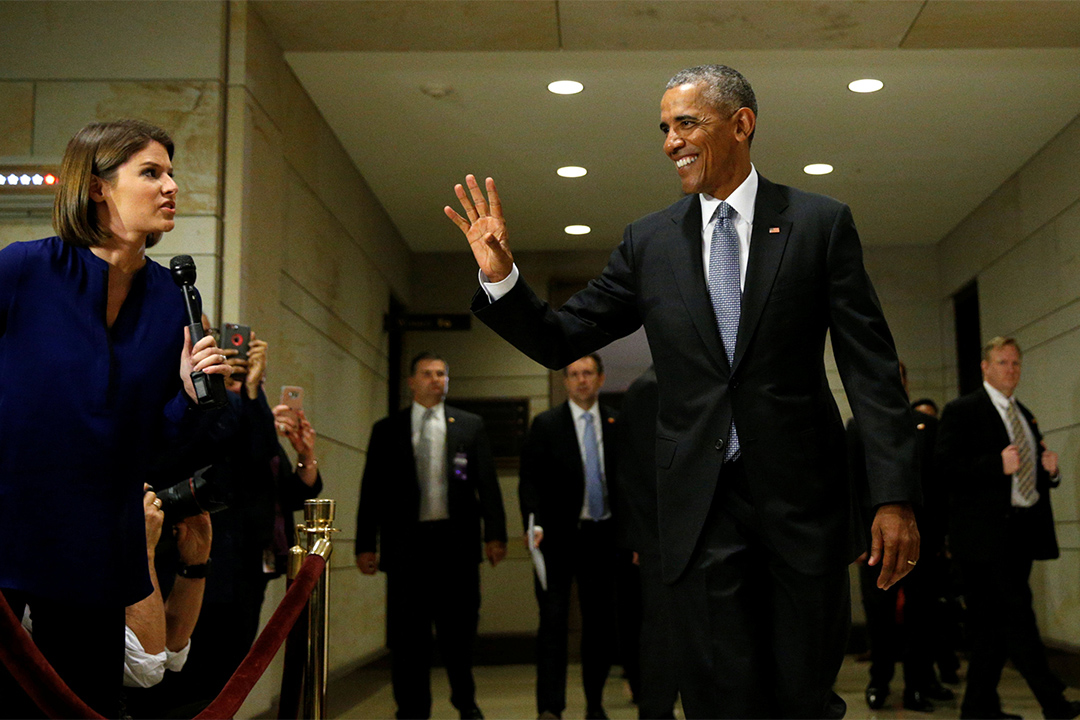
column 753, row 499
column 566, row 462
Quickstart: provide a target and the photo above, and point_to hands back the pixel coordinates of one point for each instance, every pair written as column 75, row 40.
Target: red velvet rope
column 29, row 667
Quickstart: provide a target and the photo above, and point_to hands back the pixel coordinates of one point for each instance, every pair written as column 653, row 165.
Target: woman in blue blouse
column 95, row 367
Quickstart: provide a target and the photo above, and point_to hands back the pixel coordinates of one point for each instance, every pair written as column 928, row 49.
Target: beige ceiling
column 422, row 92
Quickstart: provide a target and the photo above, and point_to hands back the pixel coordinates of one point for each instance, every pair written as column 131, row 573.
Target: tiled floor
column 507, row 691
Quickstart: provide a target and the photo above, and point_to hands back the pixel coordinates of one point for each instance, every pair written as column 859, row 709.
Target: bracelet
column 312, row 464
column 194, row 572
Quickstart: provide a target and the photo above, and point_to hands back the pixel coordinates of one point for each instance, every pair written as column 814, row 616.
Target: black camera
column 195, row 495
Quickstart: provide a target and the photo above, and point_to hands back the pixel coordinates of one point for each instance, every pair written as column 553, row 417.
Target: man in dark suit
column 566, row 461
column 428, row 482
column 736, row 285
column 1000, row 473
column 635, row 508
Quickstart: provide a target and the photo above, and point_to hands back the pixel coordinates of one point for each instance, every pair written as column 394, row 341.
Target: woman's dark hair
column 97, row 150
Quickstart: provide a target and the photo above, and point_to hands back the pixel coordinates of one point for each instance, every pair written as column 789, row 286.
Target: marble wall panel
column 321, row 257
column 986, row 234
column 1057, row 604
column 1021, row 286
column 1066, row 498
column 263, row 66
column 16, row 118
column 329, row 377
column 257, row 270
column 193, row 235
column 190, row 111
column 296, row 299
column 358, row 615
column 1050, row 383
column 1049, row 182
column 21, row 229
column 160, row 40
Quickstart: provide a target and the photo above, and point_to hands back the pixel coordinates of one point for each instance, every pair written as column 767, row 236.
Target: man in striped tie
column 993, row 457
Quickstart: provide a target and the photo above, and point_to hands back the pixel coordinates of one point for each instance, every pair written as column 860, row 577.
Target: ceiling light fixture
column 565, row 87
column 571, row 171
column 818, row 169
column 577, row 229
column 866, row 85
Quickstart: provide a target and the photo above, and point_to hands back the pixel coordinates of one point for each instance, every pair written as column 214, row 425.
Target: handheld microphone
column 209, row 389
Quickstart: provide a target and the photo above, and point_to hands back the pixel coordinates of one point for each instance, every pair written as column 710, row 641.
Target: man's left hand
column 1050, row 462
column 495, row 551
column 894, row 543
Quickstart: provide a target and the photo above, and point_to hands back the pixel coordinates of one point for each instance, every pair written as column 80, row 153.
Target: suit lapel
column 766, row 250
column 453, row 436
column 569, row 439
column 993, row 417
column 684, row 253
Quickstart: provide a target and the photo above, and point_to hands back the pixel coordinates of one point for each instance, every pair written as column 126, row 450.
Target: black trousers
column 84, row 644
column 659, row 688
column 899, row 622
column 756, row 638
column 590, row 557
column 432, row 590
column 1002, row 626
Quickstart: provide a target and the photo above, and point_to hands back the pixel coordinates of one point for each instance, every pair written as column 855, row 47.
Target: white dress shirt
column 579, row 428
column 434, row 497
column 1001, row 404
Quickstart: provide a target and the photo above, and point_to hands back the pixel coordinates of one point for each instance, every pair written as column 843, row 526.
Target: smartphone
column 236, row 337
column 293, row 396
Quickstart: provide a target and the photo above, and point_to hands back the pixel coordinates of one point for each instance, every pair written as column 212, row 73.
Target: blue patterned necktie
column 726, row 292
column 594, row 484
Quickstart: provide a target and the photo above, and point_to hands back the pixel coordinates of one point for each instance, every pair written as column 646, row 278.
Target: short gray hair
column 724, row 88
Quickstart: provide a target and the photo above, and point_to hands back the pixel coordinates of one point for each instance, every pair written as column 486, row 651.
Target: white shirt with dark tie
column 434, row 497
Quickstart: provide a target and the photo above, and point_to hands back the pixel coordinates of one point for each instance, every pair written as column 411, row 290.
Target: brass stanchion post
column 318, row 527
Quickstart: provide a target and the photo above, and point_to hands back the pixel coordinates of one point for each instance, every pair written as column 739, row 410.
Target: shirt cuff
column 175, row 661
column 496, row 290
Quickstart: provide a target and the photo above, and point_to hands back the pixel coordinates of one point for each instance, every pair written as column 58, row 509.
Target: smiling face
column 140, row 199
column 711, row 150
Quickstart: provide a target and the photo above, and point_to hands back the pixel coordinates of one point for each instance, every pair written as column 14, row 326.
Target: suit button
column 719, row 444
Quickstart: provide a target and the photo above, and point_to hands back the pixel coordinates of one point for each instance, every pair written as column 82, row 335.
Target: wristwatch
column 194, row 572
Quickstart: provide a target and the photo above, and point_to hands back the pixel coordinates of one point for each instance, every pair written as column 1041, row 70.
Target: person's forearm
column 146, row 618
column 182, row 611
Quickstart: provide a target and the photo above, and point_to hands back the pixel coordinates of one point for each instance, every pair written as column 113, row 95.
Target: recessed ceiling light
column 818, row 169
column 578, row 229
column 571, row 171
column 866, row 85
column 566, row 87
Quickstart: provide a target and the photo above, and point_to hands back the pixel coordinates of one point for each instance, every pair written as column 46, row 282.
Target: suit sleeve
column 866, row 357
column 372, row 505
column 491, row 504
column 594, row 317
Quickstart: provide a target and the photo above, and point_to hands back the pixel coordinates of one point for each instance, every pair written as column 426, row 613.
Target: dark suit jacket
column 390, row 492
column 971, row 436
column 552, row 477
column 634, row 489
column 804, row 277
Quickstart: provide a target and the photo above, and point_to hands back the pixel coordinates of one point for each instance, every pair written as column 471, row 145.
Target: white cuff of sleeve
column 175, row 661
column 496, row 290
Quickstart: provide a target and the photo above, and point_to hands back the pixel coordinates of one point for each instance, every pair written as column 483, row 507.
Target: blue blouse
column 82, row 409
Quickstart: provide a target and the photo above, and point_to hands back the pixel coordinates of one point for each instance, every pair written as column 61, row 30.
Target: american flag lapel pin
column 774, row 230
